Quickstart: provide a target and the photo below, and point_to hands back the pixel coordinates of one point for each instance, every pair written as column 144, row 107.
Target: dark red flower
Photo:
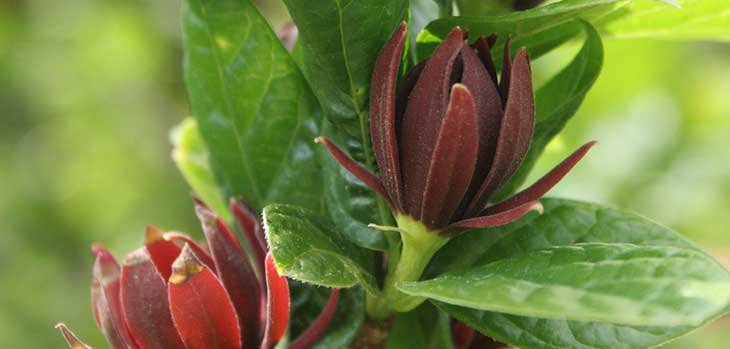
column 217, row 296
column 452, row 134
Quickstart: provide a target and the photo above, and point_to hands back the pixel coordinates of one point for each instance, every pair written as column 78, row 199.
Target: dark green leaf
column 694, row 20
column 531, row 28
column 426, row 327
column 340, row 40
column 535, row 333
column 558, row 100
column 306, row 248
column 254, row 109
column 307, row 303
column 618, row 283
column 352, row 205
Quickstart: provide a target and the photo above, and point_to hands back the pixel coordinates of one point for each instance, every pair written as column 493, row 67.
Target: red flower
column 452, row 134
column 196, row 297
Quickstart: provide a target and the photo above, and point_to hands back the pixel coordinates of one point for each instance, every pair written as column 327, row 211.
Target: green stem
column 406, row 263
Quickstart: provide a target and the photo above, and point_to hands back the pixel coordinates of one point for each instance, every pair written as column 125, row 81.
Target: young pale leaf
column 539, row 29
column 558, row 100
column 250, row 99
column 340, row 40
column 191, row 158
column 306, row 248
column 536, row 333
column 691, row 20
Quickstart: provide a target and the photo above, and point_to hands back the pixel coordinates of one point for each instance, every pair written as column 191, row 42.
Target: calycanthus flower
column 219, row 296
column 452, row 134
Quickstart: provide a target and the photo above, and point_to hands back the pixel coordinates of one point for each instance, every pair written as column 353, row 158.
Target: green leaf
column 307, row 303
column 254, row 108
column 305, row 248
column 340, row 41
column 352, row 205
column 531, row 28
column 484, row 8
column 693, row 20
column 535, row 333
column 558, row 100
column 609, row 282
column 426, row 327
column 191, row 158
column 568, row 227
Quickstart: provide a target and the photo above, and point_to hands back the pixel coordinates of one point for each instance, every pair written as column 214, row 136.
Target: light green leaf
column 191, row 158
column 536, row 333
column 608, row 282
column 305, row 248
column 692, row 20
column 558, row 100
column 254, row 108
column 340, row 41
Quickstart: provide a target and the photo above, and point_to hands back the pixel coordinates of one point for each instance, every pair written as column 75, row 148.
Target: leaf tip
column 153, row 234
column 73, row 341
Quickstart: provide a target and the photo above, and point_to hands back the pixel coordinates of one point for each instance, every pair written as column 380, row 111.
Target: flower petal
column 105, row 287
column 357, row 170
column 383, row 113
column 544, row 184
column 73, row 341
column 504, row 82
column 319, row 326
column 461, row 334
column 422, row 120
column 277, row 307
column 484, row 46
column 162, row 252
column 252, row 231
column 515, row 133
column 235, row 272
column 199, row 250
column 453, row 161
column 145, row 305
column 201, row 308
column 489, row 116
column 499, row 218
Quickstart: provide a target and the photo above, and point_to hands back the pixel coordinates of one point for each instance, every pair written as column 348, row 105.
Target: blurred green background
column 89, row 90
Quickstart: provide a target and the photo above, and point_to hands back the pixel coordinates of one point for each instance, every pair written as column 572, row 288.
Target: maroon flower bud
column 215, row 296
column 452, row 135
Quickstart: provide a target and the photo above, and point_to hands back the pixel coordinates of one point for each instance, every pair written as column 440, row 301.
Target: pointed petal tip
column 152, row 234
column 537, row 207
column 98, row 250
column 185, row 266
column 73, row 341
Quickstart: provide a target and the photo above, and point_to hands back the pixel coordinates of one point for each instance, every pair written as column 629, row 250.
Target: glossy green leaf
column 693, row 20
column 608, row 282
column 426, row 327
column 483, row 8
column 191, row 158
column 306, row 248
column 563, row 223
column 352, row 205
column 254, row 108
column 536, row 333
column 558, row 100
column 307, row 303
column 340, row 40
column 531, row 28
